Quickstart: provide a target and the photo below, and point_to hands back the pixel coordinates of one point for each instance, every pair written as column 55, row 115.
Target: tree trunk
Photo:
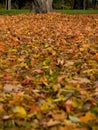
column 78, row 4
column 84, row 4
column 20, row 3
column 81, row 4
column 42, row 6
column 94, row 3
column 8, row 4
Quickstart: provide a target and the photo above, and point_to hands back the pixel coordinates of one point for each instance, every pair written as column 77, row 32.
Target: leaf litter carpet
column 49, row 72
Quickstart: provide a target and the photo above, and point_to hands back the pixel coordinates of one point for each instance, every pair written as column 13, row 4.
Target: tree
column 20, row 3
column 94, row 2
column 78, row 4
column 85, row 4
column 8, row 4
column 42, row 6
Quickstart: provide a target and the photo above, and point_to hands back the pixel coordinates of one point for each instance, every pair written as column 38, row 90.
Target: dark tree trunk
column 81, row 4
column 20, row 3
column 94, row 3
column 42, row 6
column 78, row 4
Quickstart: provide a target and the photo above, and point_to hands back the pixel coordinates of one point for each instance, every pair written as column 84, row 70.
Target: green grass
column 78, row 11
column 16, row 11
column 13, row 11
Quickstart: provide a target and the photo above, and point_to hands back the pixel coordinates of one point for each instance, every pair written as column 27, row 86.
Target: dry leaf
column 9, row 88
column 88, row 117
column 19, row 110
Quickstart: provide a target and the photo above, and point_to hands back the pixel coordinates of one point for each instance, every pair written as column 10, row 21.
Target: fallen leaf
column 9, row 88
column 19, row 110
column 88, row 117
column 68, row 105
column 80, row 80
column 52, row 123
column 74, row 119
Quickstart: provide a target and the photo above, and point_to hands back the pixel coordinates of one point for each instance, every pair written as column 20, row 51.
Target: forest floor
column 49, row 72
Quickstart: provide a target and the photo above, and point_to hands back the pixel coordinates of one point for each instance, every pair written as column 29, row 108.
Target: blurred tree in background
column 57, row 4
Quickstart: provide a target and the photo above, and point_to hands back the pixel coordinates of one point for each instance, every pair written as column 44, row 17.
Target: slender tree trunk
column 8, row 4
column 78, row 4
column 75, row 4
column 31, row 7
column 20, row 4
column 84, row 4
column 42, row 6
column 81, row 4
column 94, row 3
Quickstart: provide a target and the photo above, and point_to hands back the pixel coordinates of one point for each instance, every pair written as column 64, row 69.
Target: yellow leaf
column 20, row 59
column 19, row 110
column 2, row 99
column 68, row 127
column 12, row 50
column 23, row 64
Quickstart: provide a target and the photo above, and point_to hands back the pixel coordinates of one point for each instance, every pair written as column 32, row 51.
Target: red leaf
column 27, row 81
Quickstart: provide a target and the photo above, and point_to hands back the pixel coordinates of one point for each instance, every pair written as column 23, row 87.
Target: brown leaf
column 68, row 105
column 80, row 80
column 52, row 123
column 27, row 80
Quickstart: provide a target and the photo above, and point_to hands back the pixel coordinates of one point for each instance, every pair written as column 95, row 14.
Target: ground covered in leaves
column 49, row 72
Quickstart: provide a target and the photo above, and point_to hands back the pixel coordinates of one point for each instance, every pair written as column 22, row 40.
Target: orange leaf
column 2, row 46
column 96, row 56
column 88, row 116
column 8, row 76
column 43, row 79
column 35, row 108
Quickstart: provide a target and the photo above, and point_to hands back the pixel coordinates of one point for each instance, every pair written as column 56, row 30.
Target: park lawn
column 78, row 11
column 16, row 11
column 13, row 11
column 49, row 71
